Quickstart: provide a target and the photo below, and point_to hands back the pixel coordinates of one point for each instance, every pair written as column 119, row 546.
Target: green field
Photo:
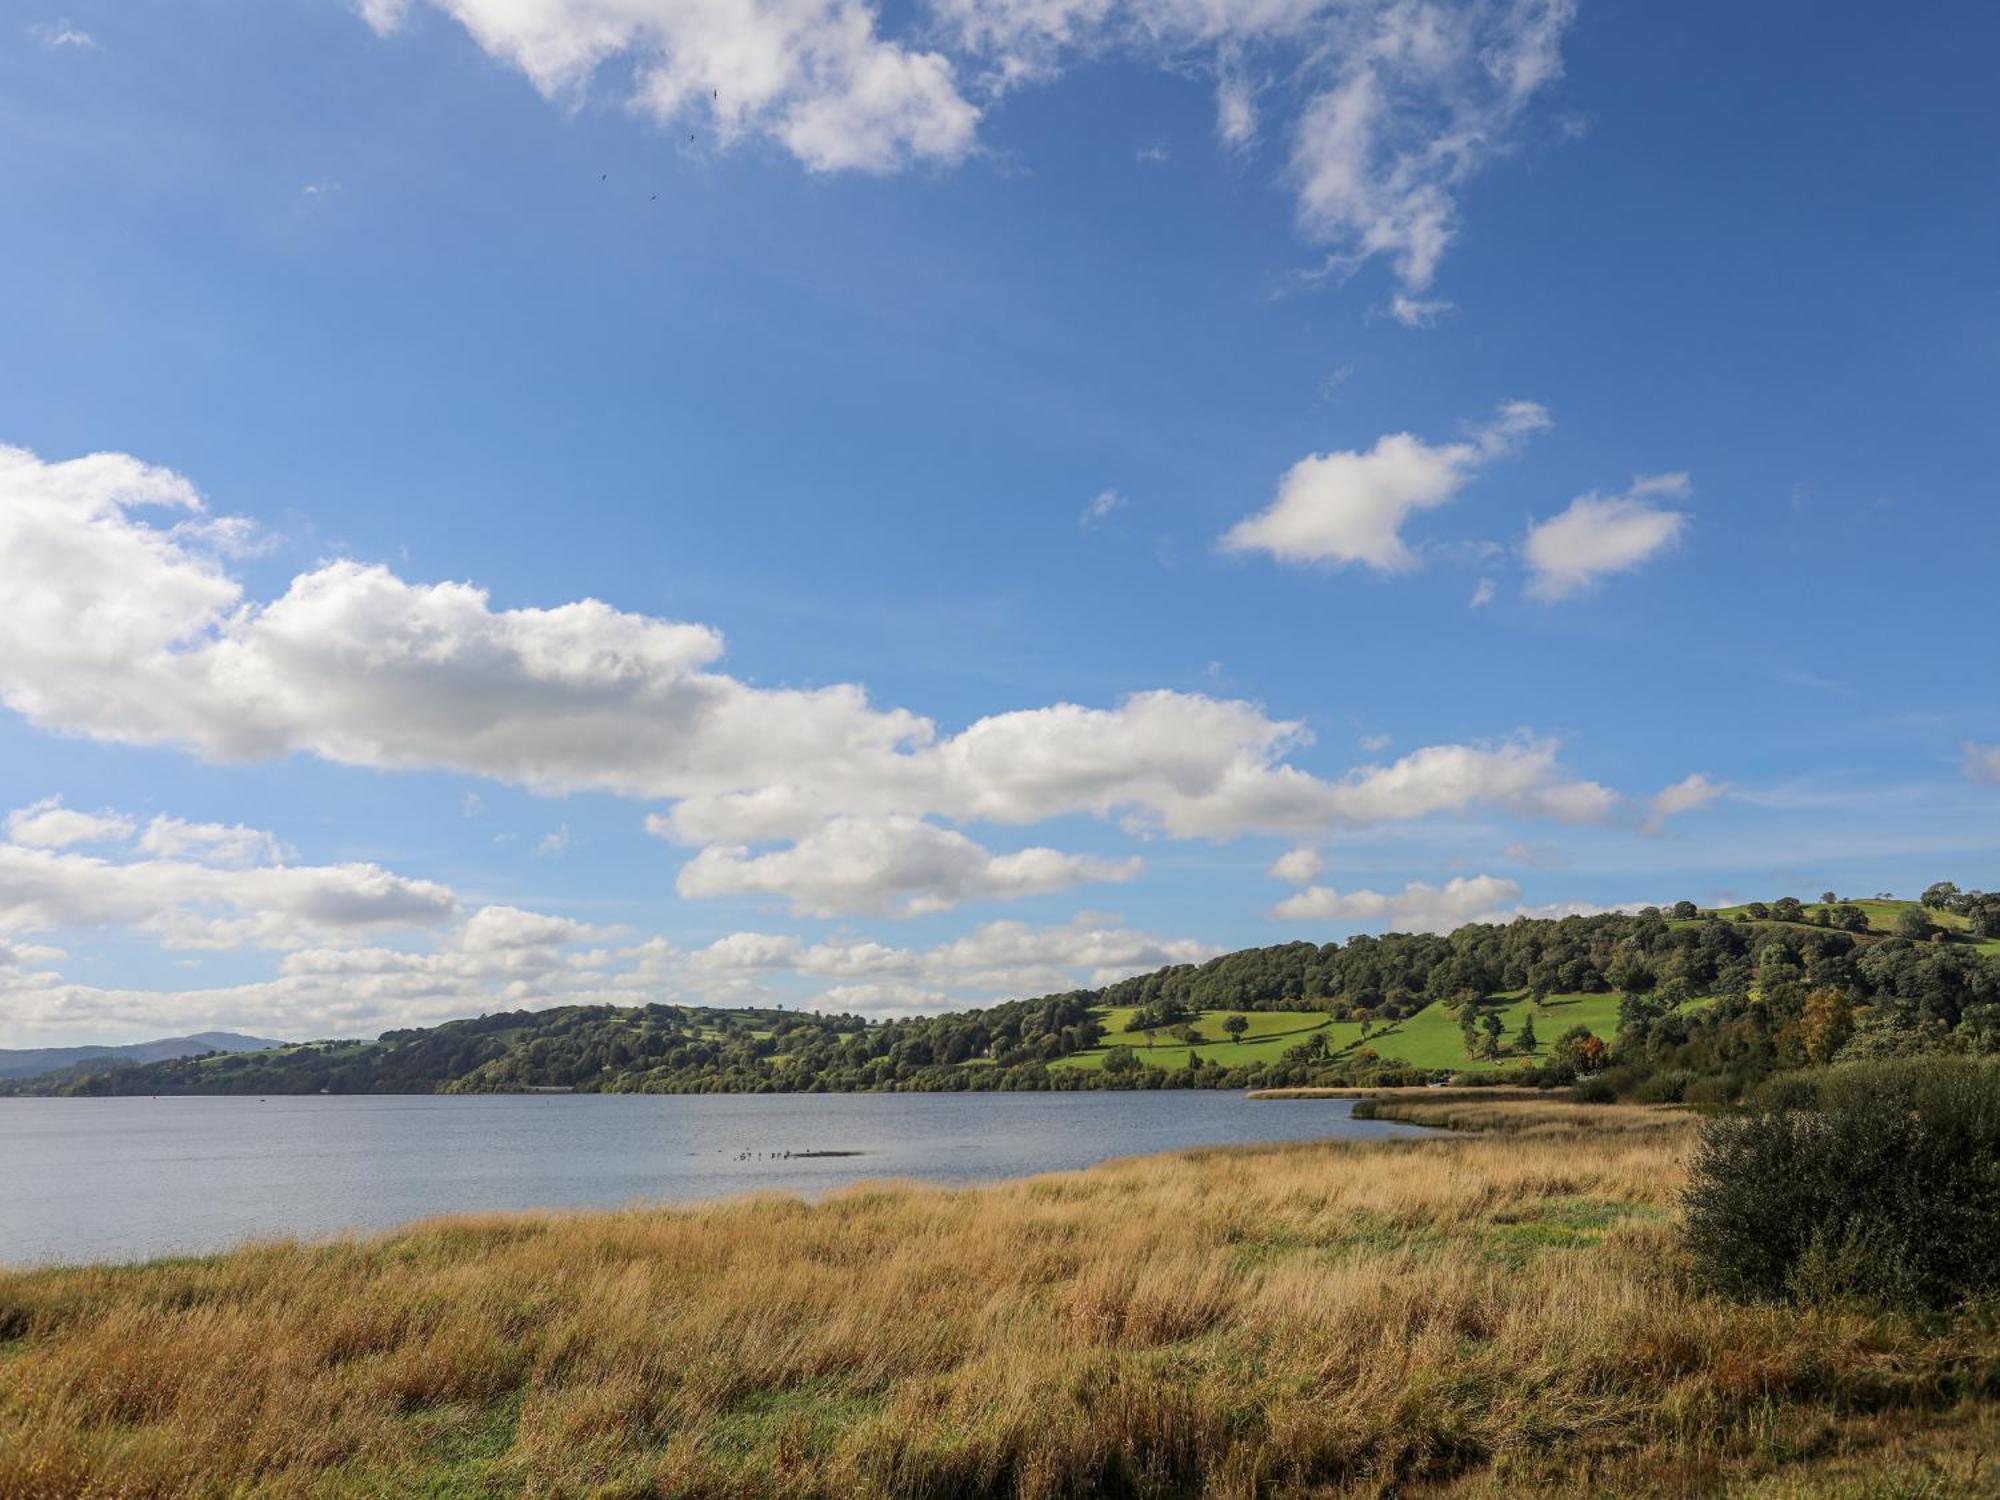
column 1429, row 1039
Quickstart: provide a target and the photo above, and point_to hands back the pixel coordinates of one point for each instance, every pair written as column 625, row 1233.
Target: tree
column 1489, row 1024
column 1756, row 911
column 1826, row 1023
column 1235, row 1026
column 1685, row 911
column 1827, row 898
column 1913, row 923
column 1938, row 896
column 1525, row 1041
column 1121, row 1060
column 1787, row 909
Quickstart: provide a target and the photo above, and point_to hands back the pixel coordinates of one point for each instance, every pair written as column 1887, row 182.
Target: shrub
column 1663, row 1088
column 1789, row 1091
column 1886, row 1190
column 1720, row 1088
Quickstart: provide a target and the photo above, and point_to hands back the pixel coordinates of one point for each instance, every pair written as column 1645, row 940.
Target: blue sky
column 1037, row 464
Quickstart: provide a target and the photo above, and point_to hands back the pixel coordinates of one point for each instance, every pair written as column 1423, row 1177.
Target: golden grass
column 1486, row 1314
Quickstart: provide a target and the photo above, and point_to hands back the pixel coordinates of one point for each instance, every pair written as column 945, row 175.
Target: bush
column 1598, row 1090
column 1886, row 1190
column 1663, row 1088
column 1789, row 1091
column 1720, row 1088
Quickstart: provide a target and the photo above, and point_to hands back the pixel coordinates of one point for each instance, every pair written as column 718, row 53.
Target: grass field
column 1489, row 1314
column 1429, row 1039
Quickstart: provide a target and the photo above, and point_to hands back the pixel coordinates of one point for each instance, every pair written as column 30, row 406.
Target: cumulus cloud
column 120, row 629
column 1982, row 763
column 211, row 843
column 899, row 865
column 190, row 905
column 1482, row 594
column 1350, row 507
column 815, row 76
column 1416, row 908
column 1689, row 794
column 996, row 958
column 1604, row 534
column 49, row 825
column 503, row 958
column 1296, row 866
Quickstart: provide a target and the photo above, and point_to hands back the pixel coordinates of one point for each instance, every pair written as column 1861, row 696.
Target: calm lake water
column 125, row 1179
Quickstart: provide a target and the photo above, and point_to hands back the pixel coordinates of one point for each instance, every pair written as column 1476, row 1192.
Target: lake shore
column 1487, row 1312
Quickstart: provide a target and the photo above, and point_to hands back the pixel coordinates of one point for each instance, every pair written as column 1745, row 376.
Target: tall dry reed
column 1494, row 1310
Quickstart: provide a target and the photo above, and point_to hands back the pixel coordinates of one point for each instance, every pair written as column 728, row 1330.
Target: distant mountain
column 31, row 1062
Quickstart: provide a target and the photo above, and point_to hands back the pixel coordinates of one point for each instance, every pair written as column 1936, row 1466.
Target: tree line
column 1779, row 985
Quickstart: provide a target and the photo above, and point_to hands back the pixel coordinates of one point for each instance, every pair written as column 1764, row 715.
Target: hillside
column 29, row 1062
column 1680, row 996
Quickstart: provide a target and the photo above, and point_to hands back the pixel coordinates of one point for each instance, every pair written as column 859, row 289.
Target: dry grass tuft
column 1479, row 1314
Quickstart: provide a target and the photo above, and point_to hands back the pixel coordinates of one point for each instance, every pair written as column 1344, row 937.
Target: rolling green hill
column 1730, row 990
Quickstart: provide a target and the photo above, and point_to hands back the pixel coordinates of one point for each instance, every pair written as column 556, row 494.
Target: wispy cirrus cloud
column 1392, row 105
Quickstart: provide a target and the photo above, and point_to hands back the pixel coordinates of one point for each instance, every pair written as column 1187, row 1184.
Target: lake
column 127, row 1179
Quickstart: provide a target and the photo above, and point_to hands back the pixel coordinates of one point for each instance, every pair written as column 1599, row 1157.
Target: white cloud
column 1418, row 312
column 815, row 76
column 1482, row 595
column 116, row 629
column 1098, row 509
column 1690, row 794
column 1403, row 101
column 1982, row 762
column 1555, row 911
column 877, row 998
column 1420, row 97
column 189, row 905
column 556, row 842
column 1235, row 111
column 1350, row 507
column 49, row 825
column 1296, row 866
column 1599, row 535
column 1416, row 908
column 211, row 843
column 898, row 865
column 58, row 34
column 508, row 929
column 1375, row 744
column 997, row 958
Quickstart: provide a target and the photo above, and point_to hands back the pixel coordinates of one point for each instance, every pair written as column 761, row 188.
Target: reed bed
column 1476, row 1314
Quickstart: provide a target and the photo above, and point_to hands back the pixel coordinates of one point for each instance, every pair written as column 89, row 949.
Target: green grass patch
column 1272, row 1033
column 1429, row 1039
